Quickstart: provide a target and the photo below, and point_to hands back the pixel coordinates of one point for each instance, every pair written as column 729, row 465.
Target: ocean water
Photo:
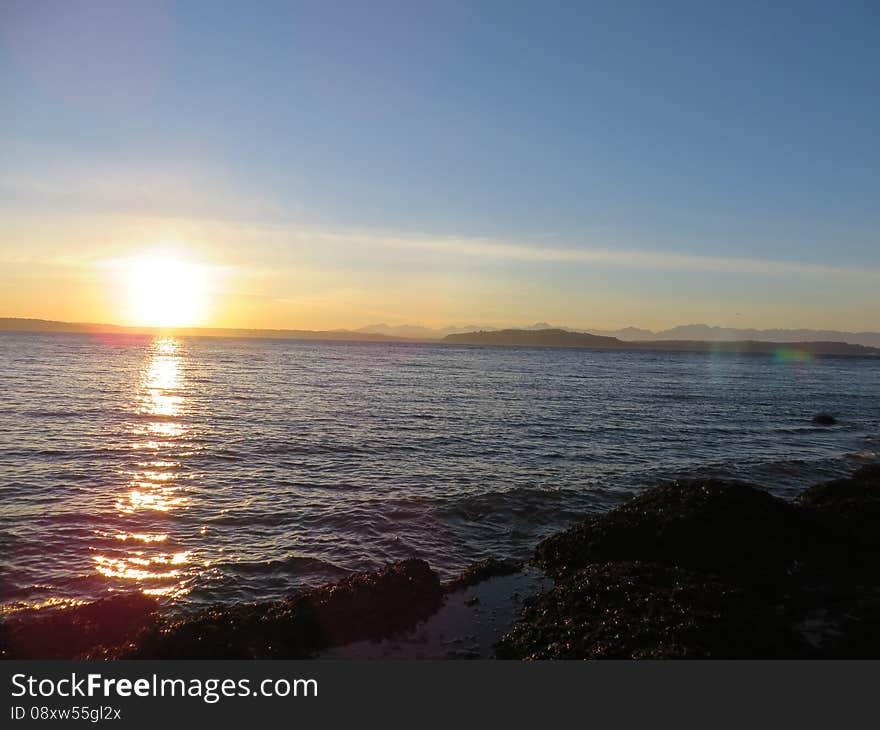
column 203, row 470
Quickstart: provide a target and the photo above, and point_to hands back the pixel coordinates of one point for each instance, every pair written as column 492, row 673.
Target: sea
column 210, row 470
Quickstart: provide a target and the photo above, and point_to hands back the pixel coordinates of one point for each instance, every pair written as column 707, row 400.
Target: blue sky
column 592, row 164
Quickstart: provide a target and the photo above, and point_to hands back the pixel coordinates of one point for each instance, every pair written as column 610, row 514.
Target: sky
column 331, row 165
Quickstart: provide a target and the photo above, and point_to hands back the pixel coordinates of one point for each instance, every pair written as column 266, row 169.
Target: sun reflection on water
column 140, row 537
column 162, row 499
column 152, row 490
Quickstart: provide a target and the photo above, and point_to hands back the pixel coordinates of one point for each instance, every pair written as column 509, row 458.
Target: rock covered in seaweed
column 369, row 605
column 95, row 629
column 481, row 571
column 637, row 610
column 713, row 569
column 849, row 510
column 719, row 526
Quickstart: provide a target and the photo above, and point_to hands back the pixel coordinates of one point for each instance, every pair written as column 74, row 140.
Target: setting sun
column 165, row 290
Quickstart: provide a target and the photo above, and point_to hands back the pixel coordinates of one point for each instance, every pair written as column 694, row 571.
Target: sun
column 165, row 289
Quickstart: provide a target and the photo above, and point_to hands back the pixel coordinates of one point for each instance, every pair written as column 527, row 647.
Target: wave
column 292, row 564
column 525, row 502
column 65, row 413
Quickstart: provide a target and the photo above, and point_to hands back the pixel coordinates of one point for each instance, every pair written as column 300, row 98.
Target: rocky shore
column 713, row 569
column 691, row 569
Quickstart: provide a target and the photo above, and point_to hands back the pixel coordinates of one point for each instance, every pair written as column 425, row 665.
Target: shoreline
column 687, row 569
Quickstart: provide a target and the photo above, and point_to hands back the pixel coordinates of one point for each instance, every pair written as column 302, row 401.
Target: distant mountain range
column 716, row 334
column 700, row 332
column 414, row 331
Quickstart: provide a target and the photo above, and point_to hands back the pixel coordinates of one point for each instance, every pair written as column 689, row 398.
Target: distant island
column 549, row 337
column 565, row 338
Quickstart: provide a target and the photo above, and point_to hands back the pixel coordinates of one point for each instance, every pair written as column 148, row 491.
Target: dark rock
column 721, row 527
column 7, row 650
column 481, row 571
column 868, row 473
column 733, row 572
column 824, row 419
column 839, row 620
column 106, row 626
column 370, row 605
column 375, row 604
column 849, row 510
column 635, row 610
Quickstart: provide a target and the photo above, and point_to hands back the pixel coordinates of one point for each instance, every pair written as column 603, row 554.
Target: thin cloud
column 269, row 243
column 506, row 251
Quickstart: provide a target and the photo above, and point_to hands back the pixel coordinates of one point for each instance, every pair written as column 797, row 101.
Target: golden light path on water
column 153, row 489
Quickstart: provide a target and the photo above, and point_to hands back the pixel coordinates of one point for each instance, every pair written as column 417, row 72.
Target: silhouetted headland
column 565, row 338
column 688, row 569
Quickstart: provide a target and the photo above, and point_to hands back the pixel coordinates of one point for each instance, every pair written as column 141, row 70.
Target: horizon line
column 156, row 329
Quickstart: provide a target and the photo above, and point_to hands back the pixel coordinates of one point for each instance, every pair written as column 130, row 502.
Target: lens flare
column 790, row 354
